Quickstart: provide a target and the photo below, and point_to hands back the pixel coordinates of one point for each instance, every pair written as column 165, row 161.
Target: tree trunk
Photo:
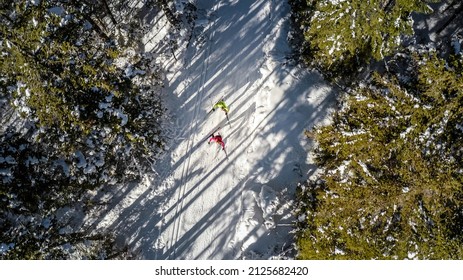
column 168, row 12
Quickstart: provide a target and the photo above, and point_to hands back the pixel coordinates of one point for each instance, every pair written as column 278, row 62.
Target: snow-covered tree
column 393, row 160
column 342, row 35
column 85, row 123
column 168, row 9
column 62, row 75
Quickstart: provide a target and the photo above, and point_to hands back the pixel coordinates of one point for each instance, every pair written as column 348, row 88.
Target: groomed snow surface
column 201, row 204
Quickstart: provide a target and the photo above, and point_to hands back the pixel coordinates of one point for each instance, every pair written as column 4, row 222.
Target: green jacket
column 221, row 104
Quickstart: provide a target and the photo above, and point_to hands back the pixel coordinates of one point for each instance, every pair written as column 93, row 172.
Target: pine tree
column 393, row 181
column 63, row 75
column 86, row 124
column 344, row 35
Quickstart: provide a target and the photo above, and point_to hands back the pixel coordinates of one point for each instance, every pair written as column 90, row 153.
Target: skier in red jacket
column 218, row 139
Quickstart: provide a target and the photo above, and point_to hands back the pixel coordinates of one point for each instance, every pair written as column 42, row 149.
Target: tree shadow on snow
column 203, row 205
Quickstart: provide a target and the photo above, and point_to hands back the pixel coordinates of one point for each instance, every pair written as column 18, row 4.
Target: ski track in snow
column 202, row 205
column 186, row 165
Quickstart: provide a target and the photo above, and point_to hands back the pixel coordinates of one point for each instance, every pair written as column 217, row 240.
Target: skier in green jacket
column 221, row 104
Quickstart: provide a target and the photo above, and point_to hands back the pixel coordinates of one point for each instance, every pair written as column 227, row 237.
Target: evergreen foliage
column 86, row 123
column 343, row 35
column 392, row 186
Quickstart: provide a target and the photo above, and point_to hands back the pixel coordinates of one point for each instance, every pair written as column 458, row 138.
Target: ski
column 226, row 154
column 224, row 150
column 221, row 99
column 228, row 120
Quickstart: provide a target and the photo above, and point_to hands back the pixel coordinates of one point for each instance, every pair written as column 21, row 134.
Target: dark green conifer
column 394, row 172
column 343, row 35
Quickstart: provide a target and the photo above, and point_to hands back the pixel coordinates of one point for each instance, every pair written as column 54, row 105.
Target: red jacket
column 218, row 140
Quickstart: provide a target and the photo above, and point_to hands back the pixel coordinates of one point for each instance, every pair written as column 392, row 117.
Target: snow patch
column 201, row 22
column 124, row 118
column 6, row 174
column 365, row 169
column 82, row 162
column 9, row 159
column 65, row 167
column 131, row 72
column 35, row 2
column 59, row 11
column 4, row 247
column 338, row 251
column 459, row 126
column 336, row 2
column 46, row 223
column 267, row 200
column 407, row 131
column 456, row 44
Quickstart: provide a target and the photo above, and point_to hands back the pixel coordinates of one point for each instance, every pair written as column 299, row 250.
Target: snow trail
column 203, row 205
column 191, row 139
